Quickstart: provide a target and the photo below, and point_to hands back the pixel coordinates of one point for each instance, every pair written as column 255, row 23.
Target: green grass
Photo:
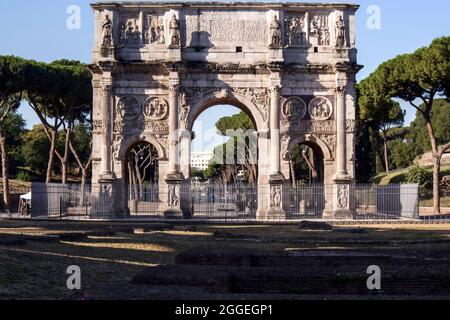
column 399, row 175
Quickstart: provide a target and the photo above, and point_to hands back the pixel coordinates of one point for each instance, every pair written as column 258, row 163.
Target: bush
column 23, row 176
column 423, row 178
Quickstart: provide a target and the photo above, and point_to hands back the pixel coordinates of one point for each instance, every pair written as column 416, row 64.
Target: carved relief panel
column 295, row 29
column 154, row 32
column 206, row 28
column 130, row 34
column 320, row 108
column 294, row 108
column 319, row 28
column 136, row 114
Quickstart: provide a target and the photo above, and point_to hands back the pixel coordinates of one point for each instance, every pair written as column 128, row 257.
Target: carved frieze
column 129, row 33
column 295, row 29
column 276, row 197
column 224, row 26
column 128, row 108
column 285, row 153
column 294, row 108
column 327, row 127
column 342, row 194
column 319, row 31
column 156, row 108
column 320, row 108
column 154, row 29
column 173, row 196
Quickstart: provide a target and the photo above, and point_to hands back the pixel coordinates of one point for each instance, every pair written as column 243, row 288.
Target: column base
column 173, row 214
column 342, row 215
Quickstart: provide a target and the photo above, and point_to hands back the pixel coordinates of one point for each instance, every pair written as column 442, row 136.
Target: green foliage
column 35, row 149
column 401, row 154
column 23, row 176
column 240, row 121
column 440, row 120
column 422, row 177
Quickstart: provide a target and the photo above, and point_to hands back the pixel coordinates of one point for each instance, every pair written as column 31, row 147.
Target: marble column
column 276, row 211
column 174, row 177
column 275, row 131
column 342, row 188
column 106, row 132
column 173, row 130
column 341, row 135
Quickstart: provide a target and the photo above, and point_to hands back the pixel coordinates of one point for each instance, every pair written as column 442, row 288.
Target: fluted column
column 341, row 139
column 173, row 129
column 275, row 130
column 106, row 132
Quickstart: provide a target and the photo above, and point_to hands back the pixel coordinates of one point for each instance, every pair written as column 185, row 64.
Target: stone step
column 293, row 259
column 425, row 279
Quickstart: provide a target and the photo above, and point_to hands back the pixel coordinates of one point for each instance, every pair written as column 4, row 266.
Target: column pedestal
column 105, row 198
column 173, row 209
column 276, row 211
column 342, row 206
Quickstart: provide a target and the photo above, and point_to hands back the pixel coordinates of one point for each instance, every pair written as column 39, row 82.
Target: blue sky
column 37, row 30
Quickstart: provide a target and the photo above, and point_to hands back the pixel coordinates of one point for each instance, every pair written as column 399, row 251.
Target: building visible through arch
column 290, row 66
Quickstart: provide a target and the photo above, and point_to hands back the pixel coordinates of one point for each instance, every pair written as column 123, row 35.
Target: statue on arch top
column 275, row 33
column 107, row 31
column 340, row 33
column 174, row 28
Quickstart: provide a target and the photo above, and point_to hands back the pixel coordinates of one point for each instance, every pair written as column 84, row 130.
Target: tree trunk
column 51, row 156
column 5, row 170
column 436, row 193
column 386, row 160
column 436, row 167
column 65, row 159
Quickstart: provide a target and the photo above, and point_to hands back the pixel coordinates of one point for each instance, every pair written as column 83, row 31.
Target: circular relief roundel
column 294, row 108
column 155, row 108
column 128, row 108
column 320, row 108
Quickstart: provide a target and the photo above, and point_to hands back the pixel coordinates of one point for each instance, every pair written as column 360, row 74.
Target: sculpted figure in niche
column 294, row 32
column 174, row 27
column 155, row 108
column 320, row 109
column 107, row 31
column 276, row 197
column 294, row 109
column 128, row 108
column 340, row 33
column 275, row 32
column 173, row 197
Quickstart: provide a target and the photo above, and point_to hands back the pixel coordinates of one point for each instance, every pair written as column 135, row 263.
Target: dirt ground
column 34, row 256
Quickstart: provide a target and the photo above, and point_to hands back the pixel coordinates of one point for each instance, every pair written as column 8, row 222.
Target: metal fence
column 215, row 202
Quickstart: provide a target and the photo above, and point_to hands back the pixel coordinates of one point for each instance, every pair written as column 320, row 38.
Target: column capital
column 275, row 88
column 341, row 90
column 107, row 88
column 174, row 87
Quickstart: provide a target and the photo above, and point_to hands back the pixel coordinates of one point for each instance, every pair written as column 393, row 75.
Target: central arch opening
column 224, row 162
column 306, row 192
column 142, row 176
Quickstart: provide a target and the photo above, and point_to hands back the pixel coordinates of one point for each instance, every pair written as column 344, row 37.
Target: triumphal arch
column 290, row 66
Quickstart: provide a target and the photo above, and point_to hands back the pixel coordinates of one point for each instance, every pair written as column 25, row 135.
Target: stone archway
column 296, row 83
